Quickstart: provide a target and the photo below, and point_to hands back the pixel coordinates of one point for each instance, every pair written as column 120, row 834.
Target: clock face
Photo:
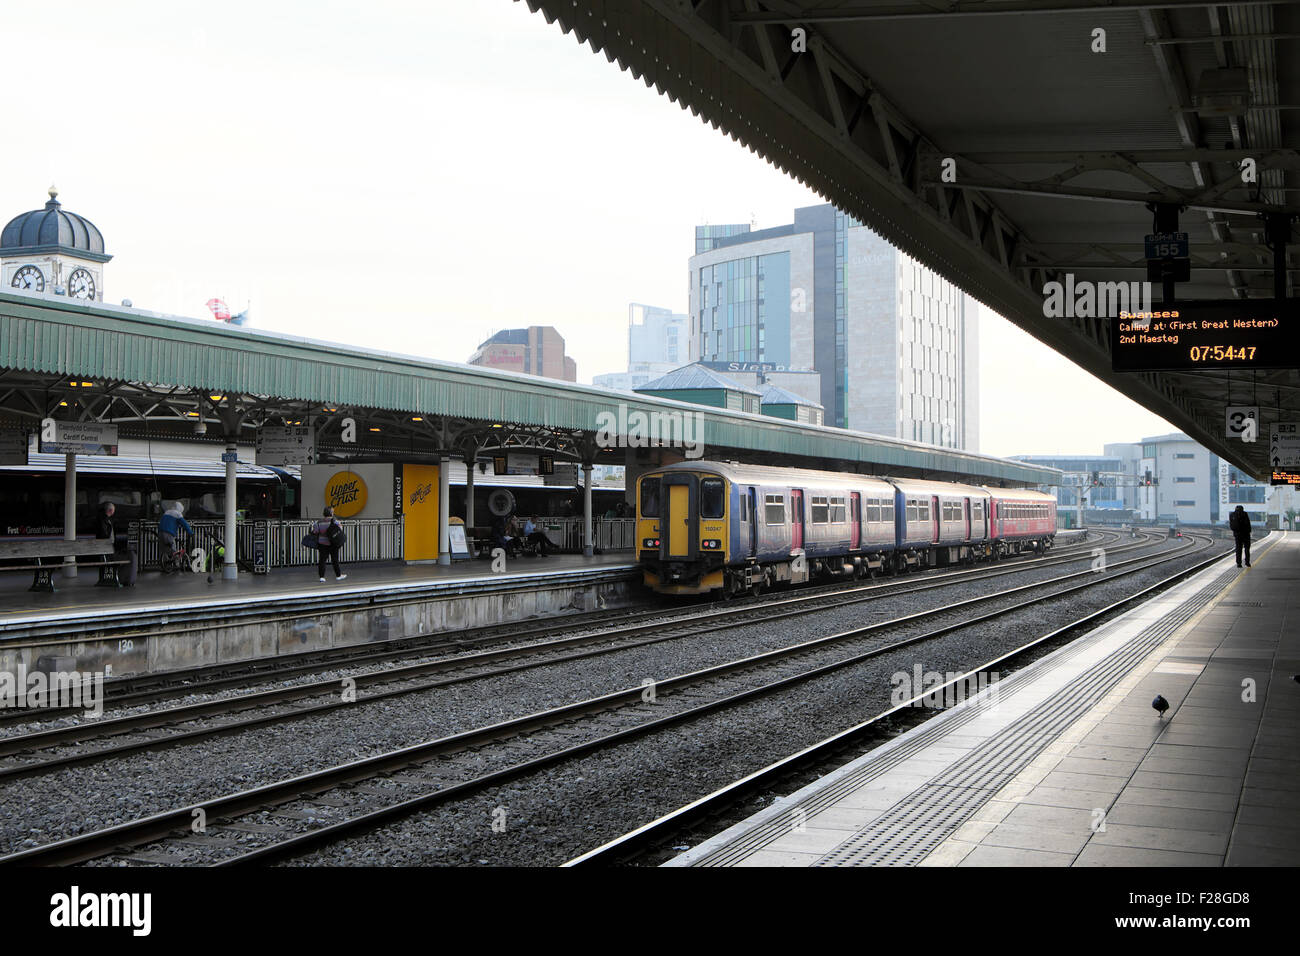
column 81, row 285
column 29, row 277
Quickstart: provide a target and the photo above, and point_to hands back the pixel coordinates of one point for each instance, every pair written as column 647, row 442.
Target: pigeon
column 1161, row 705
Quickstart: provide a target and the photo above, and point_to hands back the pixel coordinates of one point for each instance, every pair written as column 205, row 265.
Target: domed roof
column 53, row 230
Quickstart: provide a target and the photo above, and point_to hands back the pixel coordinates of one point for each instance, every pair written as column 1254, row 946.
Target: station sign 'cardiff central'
column 1246, row 333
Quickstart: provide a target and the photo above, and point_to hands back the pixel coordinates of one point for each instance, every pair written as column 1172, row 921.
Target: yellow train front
column 682, row 529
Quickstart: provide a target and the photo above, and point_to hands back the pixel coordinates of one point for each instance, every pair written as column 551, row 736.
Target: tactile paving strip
column 909, row 830
column 914, row 826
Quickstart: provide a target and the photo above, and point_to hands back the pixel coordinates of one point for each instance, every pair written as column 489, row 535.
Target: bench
column 480, row 543
column 42, row 551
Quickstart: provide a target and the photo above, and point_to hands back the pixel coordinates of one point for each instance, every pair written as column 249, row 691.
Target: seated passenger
column 535, row 536
column 501, row 537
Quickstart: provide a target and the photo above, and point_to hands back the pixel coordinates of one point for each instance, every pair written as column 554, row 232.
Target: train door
column 934, row 518
column 796, row 519
column 855, row 520
column 965, row 505
column 680, row 535
column 753, row 521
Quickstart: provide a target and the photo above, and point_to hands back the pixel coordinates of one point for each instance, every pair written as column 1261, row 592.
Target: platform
column 181, row 620
column 1065, row 763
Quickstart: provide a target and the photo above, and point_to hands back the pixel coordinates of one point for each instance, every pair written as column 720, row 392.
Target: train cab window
column 650, row 497
column 820, row 510
column 838, row 511
column 712, row 499
column 773, row 509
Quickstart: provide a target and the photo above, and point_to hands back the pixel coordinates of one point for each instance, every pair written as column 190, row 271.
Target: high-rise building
column 536, row 350
column 896, row 346
column 658, row 341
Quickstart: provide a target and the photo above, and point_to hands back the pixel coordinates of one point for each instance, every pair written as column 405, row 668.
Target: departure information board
column 1220, row 334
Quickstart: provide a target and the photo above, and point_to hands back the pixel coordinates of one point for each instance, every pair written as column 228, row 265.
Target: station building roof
column 776, row 395
column 137, row 361
column 690, row 377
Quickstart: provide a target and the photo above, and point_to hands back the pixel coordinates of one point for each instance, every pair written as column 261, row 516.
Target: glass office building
column 895, row 345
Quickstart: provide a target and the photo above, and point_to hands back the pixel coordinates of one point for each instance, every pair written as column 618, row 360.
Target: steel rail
column 150, row 688
column 659, row 831
column 104, row 842
column 80, row 733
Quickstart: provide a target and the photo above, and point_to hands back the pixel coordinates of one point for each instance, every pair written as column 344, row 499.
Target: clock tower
column 54, row 251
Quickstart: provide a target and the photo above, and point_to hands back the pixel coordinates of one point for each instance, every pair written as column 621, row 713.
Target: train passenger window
column 838, row 511
column 744, row 507
column 650, row 497
column 911, row 511
column 820, row 510
column 873, row 510
column 774, row 509
column 712, row 499
column 923, row 511
column 887, row 511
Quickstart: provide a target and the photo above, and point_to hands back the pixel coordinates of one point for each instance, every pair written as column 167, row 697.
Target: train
column 723, row 528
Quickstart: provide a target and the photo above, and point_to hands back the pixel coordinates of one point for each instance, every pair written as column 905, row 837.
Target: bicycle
column 177, row 559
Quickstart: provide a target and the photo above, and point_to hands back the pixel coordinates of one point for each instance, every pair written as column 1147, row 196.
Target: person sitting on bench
column 104, row 531
column 536, row 537
column 502, row 537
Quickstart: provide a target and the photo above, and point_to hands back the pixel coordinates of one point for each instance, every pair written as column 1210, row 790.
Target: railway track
column 291, row 816
column 171, row 685
column 142, row 731
column 664, row 836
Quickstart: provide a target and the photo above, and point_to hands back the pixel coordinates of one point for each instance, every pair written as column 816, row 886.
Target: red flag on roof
column 220, row 311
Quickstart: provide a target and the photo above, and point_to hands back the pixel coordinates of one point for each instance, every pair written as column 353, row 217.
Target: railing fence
column 373, row 539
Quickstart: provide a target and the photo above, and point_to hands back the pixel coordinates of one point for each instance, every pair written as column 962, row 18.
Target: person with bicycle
column 170, row 525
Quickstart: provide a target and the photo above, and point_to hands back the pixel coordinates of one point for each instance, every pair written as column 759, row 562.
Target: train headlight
column 711, row 544
column 650, row 543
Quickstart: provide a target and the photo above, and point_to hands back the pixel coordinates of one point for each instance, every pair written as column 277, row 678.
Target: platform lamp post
column 231, row 420
column 70, row 511
column 444, row 511
column 470, row 461
column 587, row 545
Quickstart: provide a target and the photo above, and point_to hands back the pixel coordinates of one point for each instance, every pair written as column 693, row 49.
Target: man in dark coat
column 1239, row 522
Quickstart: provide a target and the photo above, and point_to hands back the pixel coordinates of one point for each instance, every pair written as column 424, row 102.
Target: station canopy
column 166, row 377
column 1010, row 144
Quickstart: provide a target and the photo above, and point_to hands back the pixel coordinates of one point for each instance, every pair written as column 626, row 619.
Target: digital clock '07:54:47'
column 1222, row 353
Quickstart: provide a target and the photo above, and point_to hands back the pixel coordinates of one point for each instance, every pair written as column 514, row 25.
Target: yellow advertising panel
column 345, row 492
column 420, row 507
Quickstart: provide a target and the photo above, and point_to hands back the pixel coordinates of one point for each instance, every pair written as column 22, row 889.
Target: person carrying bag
column 330, row 538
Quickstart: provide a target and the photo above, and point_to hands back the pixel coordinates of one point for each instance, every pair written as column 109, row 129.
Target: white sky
column 414, row 176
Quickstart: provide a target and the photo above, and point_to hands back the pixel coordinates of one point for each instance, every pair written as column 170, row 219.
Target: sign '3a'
column 1242, row 421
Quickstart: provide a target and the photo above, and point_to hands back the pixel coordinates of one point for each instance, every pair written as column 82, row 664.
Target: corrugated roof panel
column 97, row 342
